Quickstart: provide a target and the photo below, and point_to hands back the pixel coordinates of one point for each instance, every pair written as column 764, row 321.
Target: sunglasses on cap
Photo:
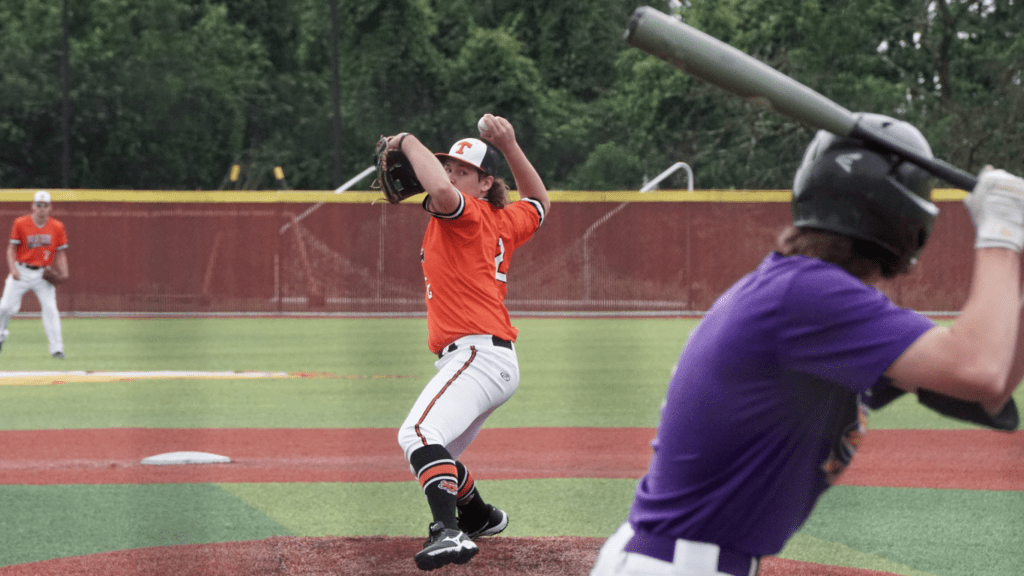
column 41, row 204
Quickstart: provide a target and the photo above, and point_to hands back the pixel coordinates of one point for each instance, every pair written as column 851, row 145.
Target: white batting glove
column 997, row 209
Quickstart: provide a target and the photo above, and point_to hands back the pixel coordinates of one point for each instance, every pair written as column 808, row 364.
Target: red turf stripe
column 963, row 459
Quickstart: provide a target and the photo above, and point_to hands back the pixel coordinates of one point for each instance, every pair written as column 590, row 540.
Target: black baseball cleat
column 58, row 355
column 497, row 520
column 445, row 546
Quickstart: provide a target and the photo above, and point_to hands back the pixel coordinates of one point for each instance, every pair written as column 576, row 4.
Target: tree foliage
column 169, row 94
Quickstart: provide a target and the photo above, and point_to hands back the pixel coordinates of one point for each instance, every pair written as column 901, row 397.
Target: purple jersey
column 763, row 411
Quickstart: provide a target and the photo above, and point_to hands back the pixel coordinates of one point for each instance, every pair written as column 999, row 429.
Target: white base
column 185, row 458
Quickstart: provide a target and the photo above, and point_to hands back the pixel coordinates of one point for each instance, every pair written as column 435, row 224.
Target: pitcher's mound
column 361, row 556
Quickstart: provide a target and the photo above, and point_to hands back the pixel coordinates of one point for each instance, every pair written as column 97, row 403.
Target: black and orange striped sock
column 438, row 476
column 467, row 487
column 471, row 506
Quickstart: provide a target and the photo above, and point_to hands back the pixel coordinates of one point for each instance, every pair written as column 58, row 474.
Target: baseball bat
column 718, row 63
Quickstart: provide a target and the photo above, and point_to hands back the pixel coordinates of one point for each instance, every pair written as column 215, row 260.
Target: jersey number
column 500, row 276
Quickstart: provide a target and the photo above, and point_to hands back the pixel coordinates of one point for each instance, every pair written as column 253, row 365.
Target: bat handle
column 955, row 176
column 936, row 167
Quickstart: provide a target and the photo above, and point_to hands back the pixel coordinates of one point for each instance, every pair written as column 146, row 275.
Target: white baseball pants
column 10, row 304
column 689, row 559
column 471, row 382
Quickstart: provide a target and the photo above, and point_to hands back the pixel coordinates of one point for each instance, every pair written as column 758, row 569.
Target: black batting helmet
column 851, row 187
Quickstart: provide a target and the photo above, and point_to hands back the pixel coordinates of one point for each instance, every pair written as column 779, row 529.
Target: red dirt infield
column 964, row 459
column 952, row 459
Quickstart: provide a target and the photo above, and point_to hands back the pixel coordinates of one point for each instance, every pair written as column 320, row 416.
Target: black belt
column 29, row 266
column 494, row 340
column 663, row 548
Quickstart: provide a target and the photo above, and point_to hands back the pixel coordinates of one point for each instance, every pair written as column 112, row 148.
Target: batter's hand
column 997, row 209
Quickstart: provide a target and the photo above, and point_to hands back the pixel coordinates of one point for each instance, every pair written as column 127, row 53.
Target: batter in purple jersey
column 770, row 397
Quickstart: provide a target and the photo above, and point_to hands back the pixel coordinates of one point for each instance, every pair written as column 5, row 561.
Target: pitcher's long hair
column 497, row 195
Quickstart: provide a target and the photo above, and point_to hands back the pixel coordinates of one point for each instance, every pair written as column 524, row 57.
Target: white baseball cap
column 475, row 153
column 41, row 196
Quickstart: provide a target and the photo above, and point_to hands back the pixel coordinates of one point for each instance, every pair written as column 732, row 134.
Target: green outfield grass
column 575, row 372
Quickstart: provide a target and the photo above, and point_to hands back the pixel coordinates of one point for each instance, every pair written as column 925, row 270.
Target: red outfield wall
column 215, row 254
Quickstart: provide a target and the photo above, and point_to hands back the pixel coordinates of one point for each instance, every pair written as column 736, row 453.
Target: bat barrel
column 714, row 61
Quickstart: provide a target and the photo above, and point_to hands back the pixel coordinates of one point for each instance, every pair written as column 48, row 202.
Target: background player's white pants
column 691, row 559
column 10, row 304
column 470, row 384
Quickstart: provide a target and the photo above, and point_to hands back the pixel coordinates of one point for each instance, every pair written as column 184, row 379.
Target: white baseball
column 481, row 125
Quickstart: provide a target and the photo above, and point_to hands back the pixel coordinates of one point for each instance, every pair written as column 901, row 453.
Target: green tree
column 965, row 60
column 158, row 93
column 170, row 93
column 29, row 93
column 951, row 67
column 490, row 74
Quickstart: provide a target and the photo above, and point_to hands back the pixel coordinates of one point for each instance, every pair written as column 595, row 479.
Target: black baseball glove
column 395, row 176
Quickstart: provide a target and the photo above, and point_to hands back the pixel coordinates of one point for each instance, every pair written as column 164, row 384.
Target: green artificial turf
column 543, row 507
column 44, row 522
column 941, row 532
column 912, row 532
column 575, row 372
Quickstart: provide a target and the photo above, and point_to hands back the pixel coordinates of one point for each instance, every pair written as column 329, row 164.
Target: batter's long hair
column 861, row 258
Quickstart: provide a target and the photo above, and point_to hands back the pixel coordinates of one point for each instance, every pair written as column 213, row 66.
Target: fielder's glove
column 52, row 276
column 395, row 176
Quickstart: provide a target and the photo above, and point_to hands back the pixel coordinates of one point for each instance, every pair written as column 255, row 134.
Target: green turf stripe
column 609, row 372
column 44, row 522
column 806, row 548
column 911, row 532
column 551, row 507
column 943, row 532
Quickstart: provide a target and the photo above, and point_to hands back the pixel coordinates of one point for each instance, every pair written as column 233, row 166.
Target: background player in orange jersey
column 37, row 242
column 466, row 252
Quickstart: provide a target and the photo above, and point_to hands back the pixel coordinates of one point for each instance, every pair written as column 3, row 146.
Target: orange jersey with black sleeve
column 37, row 244
column 466, row 257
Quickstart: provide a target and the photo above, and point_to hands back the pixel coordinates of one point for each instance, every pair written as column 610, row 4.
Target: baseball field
column 307, row 409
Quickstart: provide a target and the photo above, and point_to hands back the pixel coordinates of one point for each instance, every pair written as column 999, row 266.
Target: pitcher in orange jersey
column 38, row 241
column 466, row 252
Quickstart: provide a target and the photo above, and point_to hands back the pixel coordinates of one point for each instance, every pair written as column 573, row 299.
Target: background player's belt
column 29, row 266
column 494, row 340
column 663, row 548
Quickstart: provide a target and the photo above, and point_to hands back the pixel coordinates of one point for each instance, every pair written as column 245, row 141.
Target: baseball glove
column 395, row 176
column 52, row 276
